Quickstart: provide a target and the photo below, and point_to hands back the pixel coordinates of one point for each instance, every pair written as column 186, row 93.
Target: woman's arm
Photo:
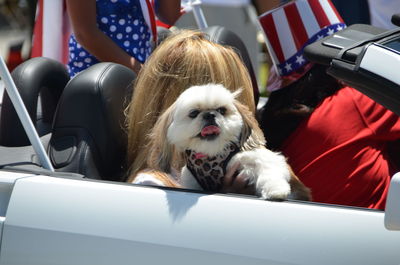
column 263, row 6
column 168, row 11
column 83, row 19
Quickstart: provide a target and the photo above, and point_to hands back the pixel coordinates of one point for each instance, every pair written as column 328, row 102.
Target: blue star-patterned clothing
column 124, row 23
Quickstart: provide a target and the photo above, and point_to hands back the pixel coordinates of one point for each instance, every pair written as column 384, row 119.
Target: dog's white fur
column 266, row 168
column 182, row 130
column 176, row 131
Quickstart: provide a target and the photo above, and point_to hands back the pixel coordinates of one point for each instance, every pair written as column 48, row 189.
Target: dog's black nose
column 209, row 116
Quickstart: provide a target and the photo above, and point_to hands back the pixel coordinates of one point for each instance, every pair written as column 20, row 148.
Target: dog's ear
column 237, row 93
column 251, row 135
column 161, row 151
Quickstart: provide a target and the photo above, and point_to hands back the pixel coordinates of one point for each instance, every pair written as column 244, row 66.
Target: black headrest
column 224, row 36
column 162, row 34
column 88, row 132
column 37, row 75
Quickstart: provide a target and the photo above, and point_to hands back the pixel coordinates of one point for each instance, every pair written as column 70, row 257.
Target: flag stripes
column 310, row 24
column 297, row 29
column 319, row 13
column 272, row 37
column 289, row 28
column 51, row 30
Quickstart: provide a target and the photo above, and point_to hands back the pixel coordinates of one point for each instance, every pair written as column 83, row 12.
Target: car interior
column 80, row 121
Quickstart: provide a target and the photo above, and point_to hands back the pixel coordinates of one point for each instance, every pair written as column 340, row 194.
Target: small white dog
column 212, row 131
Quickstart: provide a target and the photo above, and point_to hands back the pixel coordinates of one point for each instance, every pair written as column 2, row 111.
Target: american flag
column 51, row 30
column 291, row 27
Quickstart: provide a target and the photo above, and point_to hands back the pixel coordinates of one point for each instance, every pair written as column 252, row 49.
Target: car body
column 72, row 220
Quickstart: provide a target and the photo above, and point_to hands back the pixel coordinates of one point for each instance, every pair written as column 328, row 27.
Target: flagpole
column 24, row 116
column 198, row 14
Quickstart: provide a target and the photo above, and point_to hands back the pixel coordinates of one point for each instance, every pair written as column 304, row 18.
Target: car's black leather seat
column 224, row 36
column 88, row 134
column 36, row 76
column 162, row 34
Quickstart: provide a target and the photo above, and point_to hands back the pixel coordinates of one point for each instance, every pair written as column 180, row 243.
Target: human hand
column 135, row 65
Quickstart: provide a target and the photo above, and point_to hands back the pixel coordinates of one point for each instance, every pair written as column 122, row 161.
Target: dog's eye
column 222, row 110
column 193, row 113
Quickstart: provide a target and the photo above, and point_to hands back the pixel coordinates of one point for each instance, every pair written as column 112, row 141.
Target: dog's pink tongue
column 210, row 130
column 199, row 155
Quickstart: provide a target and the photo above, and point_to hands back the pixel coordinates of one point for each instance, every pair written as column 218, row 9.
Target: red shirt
column 340, row 151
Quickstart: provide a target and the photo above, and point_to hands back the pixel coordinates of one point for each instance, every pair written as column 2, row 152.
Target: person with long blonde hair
column 185, row 59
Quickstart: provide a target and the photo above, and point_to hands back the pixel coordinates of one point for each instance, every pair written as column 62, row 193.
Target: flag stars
column 288, row 67
column 330, row 32
column 300, row 59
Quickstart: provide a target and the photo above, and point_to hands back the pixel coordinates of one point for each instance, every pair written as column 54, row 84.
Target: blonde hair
column 185, row 59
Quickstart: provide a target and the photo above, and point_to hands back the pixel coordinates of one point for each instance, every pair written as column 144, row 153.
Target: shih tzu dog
column 211, row 131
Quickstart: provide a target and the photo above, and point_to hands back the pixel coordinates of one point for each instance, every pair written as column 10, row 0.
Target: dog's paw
column 274, row 190
column 269, row 171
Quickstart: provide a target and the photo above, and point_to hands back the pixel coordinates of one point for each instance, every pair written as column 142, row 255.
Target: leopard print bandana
column 210, row 171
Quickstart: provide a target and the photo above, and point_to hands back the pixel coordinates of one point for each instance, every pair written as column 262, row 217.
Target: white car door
column 53, row 220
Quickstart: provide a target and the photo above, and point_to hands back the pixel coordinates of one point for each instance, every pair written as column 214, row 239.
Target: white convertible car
column 83, row 213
